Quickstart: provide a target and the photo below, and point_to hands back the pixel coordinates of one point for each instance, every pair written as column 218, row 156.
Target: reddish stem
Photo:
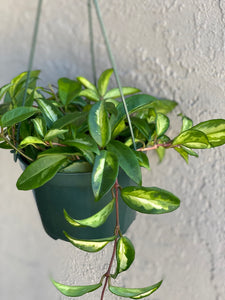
column 117, row 229
column 156, row 146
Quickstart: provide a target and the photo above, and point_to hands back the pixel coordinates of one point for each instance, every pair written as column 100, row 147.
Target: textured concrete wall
column 169, row 48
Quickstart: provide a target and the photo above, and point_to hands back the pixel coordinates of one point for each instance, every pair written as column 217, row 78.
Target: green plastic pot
column 73, row 192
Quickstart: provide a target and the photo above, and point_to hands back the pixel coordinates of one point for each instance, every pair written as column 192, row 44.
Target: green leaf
column 90, row 94
column 88, row 155
column 53, row 133
column 94, row 221
column 186, row 123
column 111, row 108
column 192, row 139
column 4, row 107
column 119, row 128
column 189, row 151
column 75, row 291
column 76, row 118
column 134, row 293
column 19, row 82
column 77, row 167
column 68, row 90
column 17, row 115
column 161, row 153
column 104, row 173
column 214, row 130
column 31, row 140
column 98, row 123
column 127, row 160
column 164, row 106
column 59, row 150
column 142, row 159
column 125, row 254
column 86, row 83
column 40, row 171
column 142, row 125
column 115, row 102
column 83, row 142
column 182, row 152
column 150, row 200
column 134, row 103
column 40, row 126
column 50, row 112
column 115, row 93
column 4, row 145
column 103, row 81
column 162, row 124
column 4, row 89
column 90, row 245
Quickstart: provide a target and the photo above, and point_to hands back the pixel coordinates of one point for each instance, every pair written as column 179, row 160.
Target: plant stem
column 15, row 148
column 117, row 229
column 156, row 146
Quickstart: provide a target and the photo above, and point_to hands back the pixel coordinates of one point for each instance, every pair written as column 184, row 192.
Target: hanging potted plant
column 77, row 152
column 82, row 150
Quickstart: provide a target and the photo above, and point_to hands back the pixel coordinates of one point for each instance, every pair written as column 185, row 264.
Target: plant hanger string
column 113, row 63
column 91, row 35
column 30, row 63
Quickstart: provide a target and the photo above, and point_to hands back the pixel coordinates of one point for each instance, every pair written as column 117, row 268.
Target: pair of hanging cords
column 30, row 63
column 111, row 58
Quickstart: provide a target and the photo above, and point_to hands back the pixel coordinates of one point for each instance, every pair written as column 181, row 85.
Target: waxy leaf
column 150, row 200
column 189, row 151
column 186, row 123
column 115, row 93
column 164, row 106
column 214, row 130
column 90, row 245
column 192, row 139
column 31, row 140
column 98, row 123
column 76, row 118
column 75, row 291
column 103, row 81
column 104, row 173
column 134, row 103
column 77, row 167
column 68, row 90
column 4, row 89
column 125, row 254
column 182, row 153
column 49, row 111
column 94, row 221
column 127, row 160
column 142, row 125
column 134, row 293
column 4, row 145
column 90, row 94
column 53, row 133
column 83, row 142
column 162, row 124
column 88, row 155
column 119, row 128
column 142, row 159
column 17, row 115
column 40, row 126
column 40, row 171
column 86, row 83
column 59, row 150
column 161, row 153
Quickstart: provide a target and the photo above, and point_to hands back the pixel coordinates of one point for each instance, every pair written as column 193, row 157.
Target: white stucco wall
column 169, row 48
